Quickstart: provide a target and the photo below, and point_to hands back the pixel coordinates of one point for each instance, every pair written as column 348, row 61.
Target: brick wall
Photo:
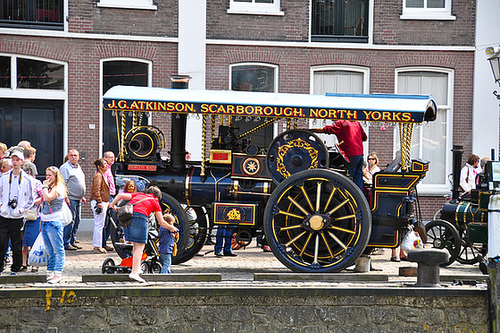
column 390, row 29
column 83, row 57
column 293, row 26
column 86, row 17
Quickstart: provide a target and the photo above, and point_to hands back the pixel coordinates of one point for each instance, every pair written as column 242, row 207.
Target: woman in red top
column 137, row 231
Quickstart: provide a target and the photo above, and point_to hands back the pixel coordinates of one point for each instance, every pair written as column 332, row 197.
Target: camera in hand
column 98, row 210
column 13, row 203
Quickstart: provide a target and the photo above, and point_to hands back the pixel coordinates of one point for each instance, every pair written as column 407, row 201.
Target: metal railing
column 36, row 14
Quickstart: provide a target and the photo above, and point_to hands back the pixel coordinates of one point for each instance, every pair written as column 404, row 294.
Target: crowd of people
column 29, row 207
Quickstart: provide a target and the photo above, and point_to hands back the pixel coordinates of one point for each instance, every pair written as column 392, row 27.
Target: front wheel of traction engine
column 317, row 221
column 181, row 222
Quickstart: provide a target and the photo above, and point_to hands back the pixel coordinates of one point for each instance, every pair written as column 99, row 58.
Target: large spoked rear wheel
column 317, row 221
column 171, row 204
column 442, row 234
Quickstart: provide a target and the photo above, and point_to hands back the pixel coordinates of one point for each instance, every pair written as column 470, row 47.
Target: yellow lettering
column 122, row 105
column 162, row 106
column 396, row 116
column 352, row 114
column 258, row 110
column 406, row 116
column 221, row 109
column 240, row 109
column 268, row 111
column 367, row 114
column 386, row 116
column 298, row 112
column 204, row 108
column 230, row 108
column 189, row 107
column 313, row 113
column 332, row 113
column 112, row 105
column 376, row 115
column 134, row 105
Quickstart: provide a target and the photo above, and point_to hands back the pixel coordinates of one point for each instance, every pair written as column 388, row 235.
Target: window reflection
column 34, row 74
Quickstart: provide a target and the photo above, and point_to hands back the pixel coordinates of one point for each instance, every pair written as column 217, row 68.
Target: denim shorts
column 137, row 231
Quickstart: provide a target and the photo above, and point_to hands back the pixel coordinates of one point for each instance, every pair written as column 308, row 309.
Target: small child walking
column 167, row 242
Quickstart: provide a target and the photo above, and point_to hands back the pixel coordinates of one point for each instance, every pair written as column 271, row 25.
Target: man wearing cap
column 74, row 178
column 16, row 196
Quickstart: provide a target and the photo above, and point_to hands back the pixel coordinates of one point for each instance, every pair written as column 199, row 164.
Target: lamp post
column 493, row 54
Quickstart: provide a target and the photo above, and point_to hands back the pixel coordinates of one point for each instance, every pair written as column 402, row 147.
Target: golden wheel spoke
column 316, row 250
column 342, row 229
column 295, row 239
column 305, row 245
column 338, row 207
column 291, row 227
column 298, row 206
column 335, row 238
column 330, row 198
column 326, row 243
column 345, row 217
column 318, row 196
column 307, row 197
column 292, row 214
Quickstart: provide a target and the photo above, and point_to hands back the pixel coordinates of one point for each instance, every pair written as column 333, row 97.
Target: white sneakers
column 136, row 277
column 55, row 279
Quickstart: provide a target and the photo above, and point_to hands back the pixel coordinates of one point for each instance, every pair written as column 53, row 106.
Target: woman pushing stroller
column 137, row 231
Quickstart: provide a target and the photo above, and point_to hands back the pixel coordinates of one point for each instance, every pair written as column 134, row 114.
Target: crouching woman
column 137, row 231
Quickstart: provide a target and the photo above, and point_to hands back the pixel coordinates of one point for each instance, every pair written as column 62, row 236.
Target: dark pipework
column 457, row 166
column 178, row 136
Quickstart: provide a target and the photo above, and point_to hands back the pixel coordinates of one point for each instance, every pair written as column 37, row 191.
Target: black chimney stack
column 457, row 166
column 178, row 137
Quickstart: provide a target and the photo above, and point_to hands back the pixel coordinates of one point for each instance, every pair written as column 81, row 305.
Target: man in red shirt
column 351, row 136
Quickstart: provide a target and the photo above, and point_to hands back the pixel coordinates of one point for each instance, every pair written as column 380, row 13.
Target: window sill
column 255, row 12
column 424, row 17
column 127, row 6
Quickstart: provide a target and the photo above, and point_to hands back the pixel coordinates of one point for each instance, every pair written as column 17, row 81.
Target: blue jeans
column 71, row 229
column 355, row 169
column 224, row 235
column 52, row 233
column 166, row 261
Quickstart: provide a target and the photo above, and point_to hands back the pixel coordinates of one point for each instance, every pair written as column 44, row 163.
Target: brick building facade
column 387, row 45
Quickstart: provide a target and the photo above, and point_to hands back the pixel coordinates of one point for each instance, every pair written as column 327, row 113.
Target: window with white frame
column 258, row 7
column 126, row 72
column 337, row 79
column 254, row 77
column 130, row 4
column 427, row 10
column 431, row 141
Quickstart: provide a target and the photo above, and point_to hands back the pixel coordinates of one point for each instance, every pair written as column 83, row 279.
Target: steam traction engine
column 296, row 191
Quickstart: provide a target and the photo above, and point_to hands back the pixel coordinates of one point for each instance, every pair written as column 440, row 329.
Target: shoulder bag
column 126, row 212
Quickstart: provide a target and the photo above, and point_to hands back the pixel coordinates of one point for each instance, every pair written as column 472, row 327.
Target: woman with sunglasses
column 54, row 194
column 99, row 202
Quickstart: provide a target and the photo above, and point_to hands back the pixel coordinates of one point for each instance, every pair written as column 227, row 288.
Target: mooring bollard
column 428, row 265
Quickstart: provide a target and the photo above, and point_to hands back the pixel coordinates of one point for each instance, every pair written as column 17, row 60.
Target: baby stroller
column 150, row 261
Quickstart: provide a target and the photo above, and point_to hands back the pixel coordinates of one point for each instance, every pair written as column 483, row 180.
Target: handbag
column 38, row 254
column 31, row 214
column 68, row 216
column 126, row 212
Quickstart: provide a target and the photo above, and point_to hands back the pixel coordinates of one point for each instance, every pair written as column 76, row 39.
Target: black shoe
column 230, row 254
column 70, row 248
column 23, row 269
column 77, row 246
column 218, row 254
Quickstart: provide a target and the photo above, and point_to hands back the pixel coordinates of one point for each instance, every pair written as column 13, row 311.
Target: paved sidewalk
column 238, row 270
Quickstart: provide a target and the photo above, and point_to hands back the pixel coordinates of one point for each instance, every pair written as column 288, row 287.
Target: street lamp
column 493, row 54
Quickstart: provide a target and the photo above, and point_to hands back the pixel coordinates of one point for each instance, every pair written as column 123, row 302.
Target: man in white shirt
column 16, row 196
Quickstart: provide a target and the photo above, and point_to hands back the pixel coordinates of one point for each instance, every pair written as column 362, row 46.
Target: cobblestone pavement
column 235, row 271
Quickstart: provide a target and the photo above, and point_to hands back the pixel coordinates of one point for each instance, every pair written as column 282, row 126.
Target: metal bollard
column 428, row 265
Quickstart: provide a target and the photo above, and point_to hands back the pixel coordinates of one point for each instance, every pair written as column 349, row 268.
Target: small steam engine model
column 295, row 191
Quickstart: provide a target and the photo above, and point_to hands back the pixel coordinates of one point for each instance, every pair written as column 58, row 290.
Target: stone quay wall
column 245, row 309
